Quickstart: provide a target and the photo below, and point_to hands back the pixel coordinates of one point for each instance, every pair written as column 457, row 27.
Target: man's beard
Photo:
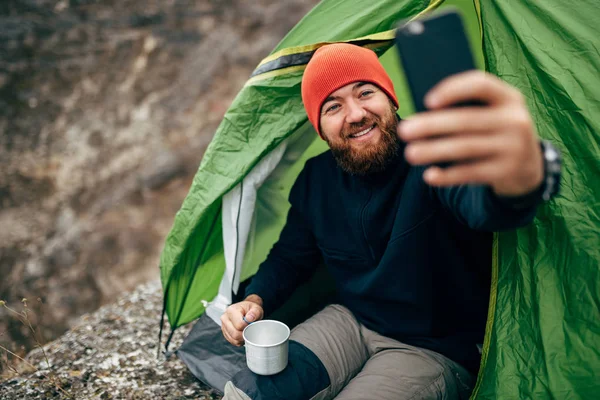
column 369, row 159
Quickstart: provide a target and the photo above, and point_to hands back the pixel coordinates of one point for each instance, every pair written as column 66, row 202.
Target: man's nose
column 355, row 112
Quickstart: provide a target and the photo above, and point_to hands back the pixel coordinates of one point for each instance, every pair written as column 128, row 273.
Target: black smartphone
column 431, row 49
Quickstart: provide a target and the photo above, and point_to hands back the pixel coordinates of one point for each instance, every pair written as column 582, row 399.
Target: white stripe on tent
column 238, row 215
column 239, row 209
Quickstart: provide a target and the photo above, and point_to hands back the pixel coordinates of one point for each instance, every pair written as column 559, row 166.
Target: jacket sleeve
column 292, row 260
column 478, row 207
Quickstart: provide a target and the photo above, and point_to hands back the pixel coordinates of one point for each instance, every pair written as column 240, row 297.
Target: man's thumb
column 254, row 313
column 250, row 317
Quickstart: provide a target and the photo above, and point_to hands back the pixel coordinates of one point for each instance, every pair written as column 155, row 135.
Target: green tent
column 543, row 332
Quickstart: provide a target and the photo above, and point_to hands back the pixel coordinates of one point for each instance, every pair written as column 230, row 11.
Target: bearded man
column 407, row 241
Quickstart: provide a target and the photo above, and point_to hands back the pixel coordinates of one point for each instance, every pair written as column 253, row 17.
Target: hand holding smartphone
column 495, row 144
column 431, row 49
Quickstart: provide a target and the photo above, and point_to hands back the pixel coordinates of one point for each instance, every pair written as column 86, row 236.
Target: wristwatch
column 550, row 183
column 552, row 168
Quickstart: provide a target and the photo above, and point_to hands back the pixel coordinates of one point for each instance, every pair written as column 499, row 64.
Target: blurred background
column 106, row 107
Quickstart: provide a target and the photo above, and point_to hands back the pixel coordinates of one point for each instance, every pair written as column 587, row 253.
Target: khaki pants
column 365, row 365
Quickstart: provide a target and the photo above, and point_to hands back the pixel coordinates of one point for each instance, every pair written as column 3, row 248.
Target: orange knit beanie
column 336, row 65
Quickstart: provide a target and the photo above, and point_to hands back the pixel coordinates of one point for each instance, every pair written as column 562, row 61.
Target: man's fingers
column 233, row 323
column 254, row 313
column 235, row 314
column 475, row 172
column 457, row 121
column 232, row 335
column 231, row 340
column 468, row 86
column 455, row 148
column 226, row 334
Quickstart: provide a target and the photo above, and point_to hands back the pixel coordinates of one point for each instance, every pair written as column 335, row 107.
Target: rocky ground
column 109, row 354
column 106, row 107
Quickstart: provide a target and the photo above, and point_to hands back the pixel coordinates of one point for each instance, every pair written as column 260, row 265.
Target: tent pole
column 169, row 342
column 162, row 323
column 237, row 239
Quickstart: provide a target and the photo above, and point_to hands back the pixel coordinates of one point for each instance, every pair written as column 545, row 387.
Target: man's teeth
column 362, row 133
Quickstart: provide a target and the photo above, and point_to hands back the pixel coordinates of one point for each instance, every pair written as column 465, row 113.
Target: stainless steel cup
column 266, row 346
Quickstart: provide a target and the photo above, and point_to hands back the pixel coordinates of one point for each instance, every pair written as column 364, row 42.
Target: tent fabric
column 213, row 364
column 238, row 207
column 254, row 212
column 543, row 332
column 544, row 340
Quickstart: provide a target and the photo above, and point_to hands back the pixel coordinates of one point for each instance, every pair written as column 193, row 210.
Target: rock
column 106, row 108
column 110, row 354
column 143, row 20
column 161, row 170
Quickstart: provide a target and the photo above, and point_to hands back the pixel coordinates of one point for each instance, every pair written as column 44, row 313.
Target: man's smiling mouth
column 363, row 132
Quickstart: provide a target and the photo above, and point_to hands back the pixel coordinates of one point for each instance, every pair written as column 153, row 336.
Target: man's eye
column 366, row 92
column 332, row 108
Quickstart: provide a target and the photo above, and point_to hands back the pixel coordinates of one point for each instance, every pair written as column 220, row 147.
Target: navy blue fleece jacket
column 412, row 262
